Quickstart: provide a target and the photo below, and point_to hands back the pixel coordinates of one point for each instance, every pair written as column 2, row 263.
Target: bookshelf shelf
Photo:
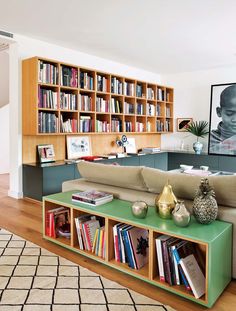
column 210, row 242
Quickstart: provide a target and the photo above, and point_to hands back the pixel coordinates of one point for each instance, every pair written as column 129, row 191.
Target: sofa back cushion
column 185, row 186
column 121, row 176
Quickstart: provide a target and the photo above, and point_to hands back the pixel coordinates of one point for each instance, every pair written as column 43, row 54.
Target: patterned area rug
column 34, row 279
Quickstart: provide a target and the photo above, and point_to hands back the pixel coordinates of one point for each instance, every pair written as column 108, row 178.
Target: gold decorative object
column 165, row 203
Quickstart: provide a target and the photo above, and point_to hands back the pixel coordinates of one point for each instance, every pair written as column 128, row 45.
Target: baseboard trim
column 15, row 194
column 33, row 201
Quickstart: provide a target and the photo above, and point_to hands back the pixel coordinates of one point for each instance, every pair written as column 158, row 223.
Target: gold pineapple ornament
column 165, row 203
column 205, row 208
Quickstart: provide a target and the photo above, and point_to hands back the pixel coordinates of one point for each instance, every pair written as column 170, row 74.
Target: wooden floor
column 24, row 218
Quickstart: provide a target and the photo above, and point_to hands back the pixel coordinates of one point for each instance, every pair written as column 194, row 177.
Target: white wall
column 27, row 47
column 4, row 78
column 4, row 139
column 192, row 99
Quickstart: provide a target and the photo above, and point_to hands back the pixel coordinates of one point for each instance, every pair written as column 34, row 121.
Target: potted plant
column 199, row 129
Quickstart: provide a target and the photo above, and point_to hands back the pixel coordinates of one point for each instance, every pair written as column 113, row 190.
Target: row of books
column 69, row 76
column 85, row 102
column 158, row 110
column 85, row 124
column 160, row 94
column 139, row 90
column 47, row 122
column 102, row 84
column 47, row 98
column 102, row 105
column 92, row 197
column 116, row 125
column 130, row 245
column 167, row 125
column 159, row 126
column 150, row 93
column 140, row 109
column 116, row 86
column 57, row 222
column 139, row 127
column 168, row 112
column 68, row 101
column 128, row 108
column 129, row 126
column 116, row 105
column 47, row 73
column 150, row 109
column 86, row 81
column 179, row 263
column 69, row 125
column 128, row 88
column 102, row 126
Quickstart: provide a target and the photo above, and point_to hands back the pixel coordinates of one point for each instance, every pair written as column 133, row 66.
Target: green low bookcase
column 213, row 241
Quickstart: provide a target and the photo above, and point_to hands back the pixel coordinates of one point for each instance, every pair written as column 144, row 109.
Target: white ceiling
column 163, row 36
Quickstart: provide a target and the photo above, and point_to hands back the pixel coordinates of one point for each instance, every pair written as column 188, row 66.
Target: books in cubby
column 150, row 109
column 160, row 94
column 102, row 83
column 139, row 127
column 128, row 108
column 159, row 126
column 85, row 102
column 47, row 122
column 158, row 110
column 116, row 105
column 116, row 86
column 68, row 101
column 85, row 124
column 129, row 126
column 140, row 108
column 128, row 88
column 91, row 235
column 102, row 105
column 150, row 93
column 179, row 263
column 69, row 76
column 86, row 81
column 47, row 72
column 116, row 125
column 102, row 126
column 130, row 245
column 92, row 197
column 139, row 90
column 69, row 125
column 167, row 125
column 47, row 98
column 57, row 222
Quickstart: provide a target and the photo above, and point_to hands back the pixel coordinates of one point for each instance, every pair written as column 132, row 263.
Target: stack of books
column 57, row 222
column 92, row 197
column 179, row 263
column 91, row 236
column 130, row 245
column 151, row 149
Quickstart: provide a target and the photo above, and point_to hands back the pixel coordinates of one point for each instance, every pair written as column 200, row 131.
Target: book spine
column 160, row 260
column 166, row 263
column 186, row 284
column 127, row 249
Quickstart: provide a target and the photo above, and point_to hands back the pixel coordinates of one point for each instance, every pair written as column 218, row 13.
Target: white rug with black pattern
column 34, row 279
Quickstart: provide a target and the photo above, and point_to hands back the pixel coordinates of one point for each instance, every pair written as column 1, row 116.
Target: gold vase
column 165, row 203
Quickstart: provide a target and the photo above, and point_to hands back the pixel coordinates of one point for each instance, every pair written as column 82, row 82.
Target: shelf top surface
column 121, row 211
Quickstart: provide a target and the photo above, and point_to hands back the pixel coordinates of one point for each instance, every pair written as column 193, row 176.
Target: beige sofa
column 132, row 183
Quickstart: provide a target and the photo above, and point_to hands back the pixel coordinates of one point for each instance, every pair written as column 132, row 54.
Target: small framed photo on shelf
column 78, row 146
column 182, row 124
column 46, row 153
column 131, row 146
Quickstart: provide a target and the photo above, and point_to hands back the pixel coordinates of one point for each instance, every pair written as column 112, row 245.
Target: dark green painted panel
column 148, row 160
column 161, row 161
column 227, row 163
column 33, row 182
column 131, row 161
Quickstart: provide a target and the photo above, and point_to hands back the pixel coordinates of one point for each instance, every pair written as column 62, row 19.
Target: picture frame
column 182, row 124
column 131, row 146
column 46, row 153
column 78, row 146
column 222, row 120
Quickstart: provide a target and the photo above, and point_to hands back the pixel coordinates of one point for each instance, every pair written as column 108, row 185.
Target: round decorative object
column 197, row 147
column 139, row 209
column 165, row 203
column 205, row 208
column 124, row 139
column 181, row 215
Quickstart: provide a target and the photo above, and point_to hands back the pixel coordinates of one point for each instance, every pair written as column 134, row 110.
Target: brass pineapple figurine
column 205, row 208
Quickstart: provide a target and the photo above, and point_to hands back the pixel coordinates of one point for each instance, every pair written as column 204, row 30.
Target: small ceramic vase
column 197, row 147
column 139, row 209
column 181, row 215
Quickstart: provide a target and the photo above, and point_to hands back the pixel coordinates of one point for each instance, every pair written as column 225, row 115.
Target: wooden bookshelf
column 55, row 95
column 210, row 242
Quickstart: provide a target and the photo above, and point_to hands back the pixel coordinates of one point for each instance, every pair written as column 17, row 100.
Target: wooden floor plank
column 24, row 218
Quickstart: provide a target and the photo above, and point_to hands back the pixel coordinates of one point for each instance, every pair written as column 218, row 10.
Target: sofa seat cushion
column 120, row 176
column 118, row 192
column 185, row 185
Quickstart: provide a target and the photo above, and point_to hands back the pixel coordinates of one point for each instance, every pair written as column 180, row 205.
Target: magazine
column 92, row 197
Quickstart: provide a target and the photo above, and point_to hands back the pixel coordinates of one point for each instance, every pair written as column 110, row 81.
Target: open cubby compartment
column 103, row 82
column 128, row 241
column 168, row 110
column 117, row 104
column 48, row 97
column 201, row 250
column 86, row 101
column 117, row 123
column 141, row 89
column 86, row 122
column 169, row 95
column 151, row 91
column 151, row 124
column 160, row 124
column 68, row 122
column 129, row 105
column 129, row 87
column 129, row 123
column 151, row 108
column 86, row 79
column 160, row 109
column 117, row 85
column 168, row 126
column 84, row 237
column 52, row 214
column 48, row 72
column 69, row 76
column 48, row 121
column 68, row 99
column 161, row 93
column 141, row 124
column 141, row 107
column 103, row 103
column 103, row 123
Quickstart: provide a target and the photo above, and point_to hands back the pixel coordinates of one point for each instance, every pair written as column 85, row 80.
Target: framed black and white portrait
column 222, row 135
